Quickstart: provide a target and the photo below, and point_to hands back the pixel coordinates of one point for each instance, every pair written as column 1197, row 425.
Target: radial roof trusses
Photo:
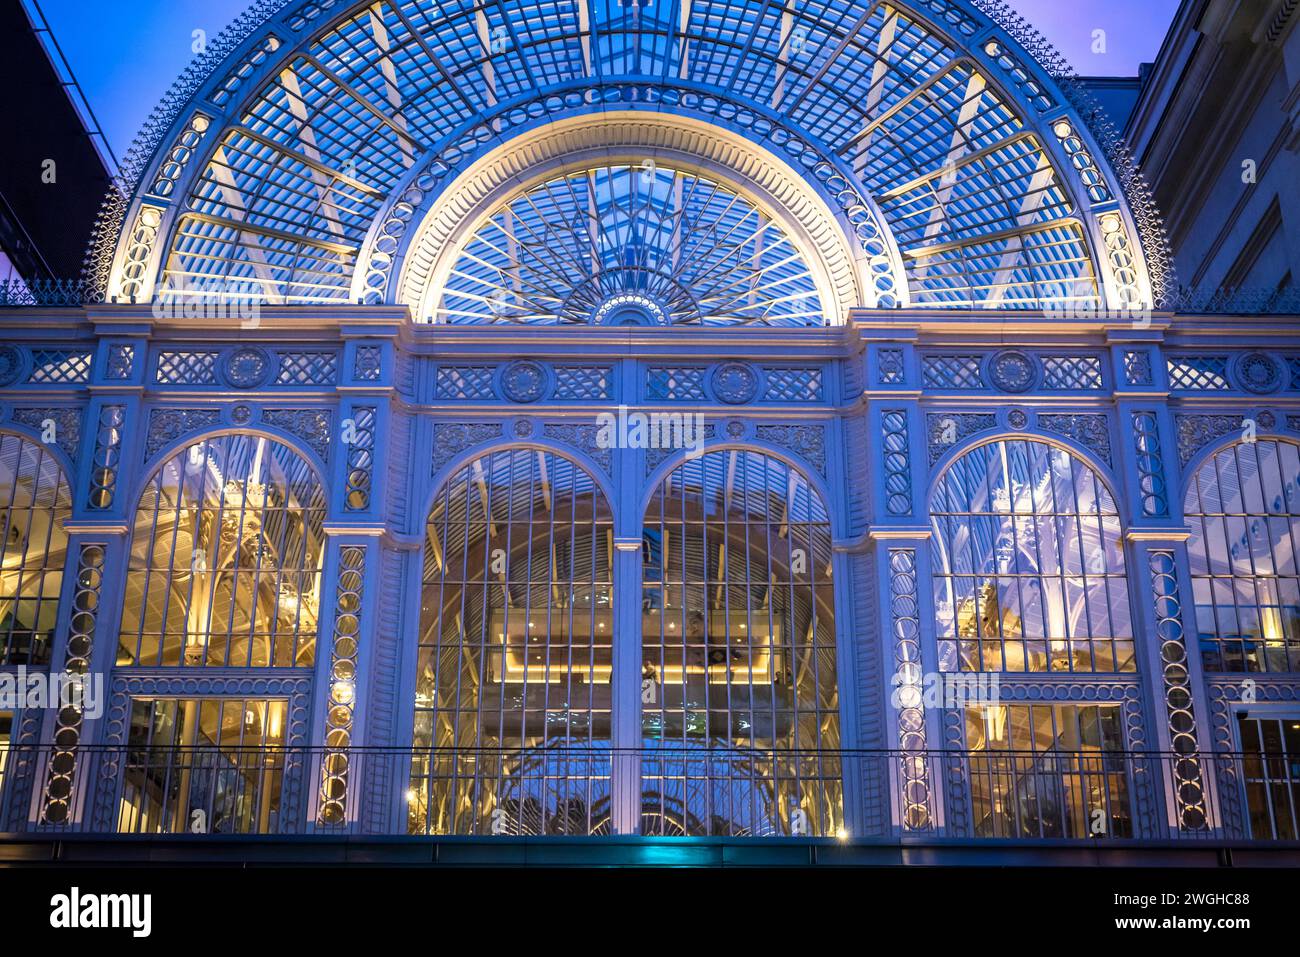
column 689, row 249
column 959, row 167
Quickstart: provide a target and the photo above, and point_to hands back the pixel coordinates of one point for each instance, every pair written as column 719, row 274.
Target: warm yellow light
column 410, row 796
column 343, row 691
column 842, row 834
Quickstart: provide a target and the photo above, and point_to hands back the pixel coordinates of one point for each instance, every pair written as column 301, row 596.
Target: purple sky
column 126, row 53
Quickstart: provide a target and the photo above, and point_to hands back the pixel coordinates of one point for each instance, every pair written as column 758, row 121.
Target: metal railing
column 998, row 796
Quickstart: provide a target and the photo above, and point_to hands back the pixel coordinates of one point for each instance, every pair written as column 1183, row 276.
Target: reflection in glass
column 1028, row 564
column 1048, row 770
column 1243, row 508
column 226, row 559
column 203, row 765
column 1271, row 773
column 739, row 695
column 513, row 691
column 34, row 503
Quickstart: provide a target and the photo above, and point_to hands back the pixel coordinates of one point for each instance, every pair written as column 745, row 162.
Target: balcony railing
column 998, row 796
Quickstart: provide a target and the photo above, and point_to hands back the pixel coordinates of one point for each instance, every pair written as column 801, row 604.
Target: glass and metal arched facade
column 1028, row 564
column 225, row 561
column 35, row 501
column 303, row 169
column 513, row 695
column 740, row 702
column 886, row 592
column 1243, row 509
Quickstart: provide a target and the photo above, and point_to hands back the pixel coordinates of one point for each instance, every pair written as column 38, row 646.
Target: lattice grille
column 952, row 372
column 187, row 368
column 582, row 382
column 308, row 368
column 793, row 385
column 465, row 382
column 1072, row 373
column 1199, row 373
column 50, row 366
column 685, row 384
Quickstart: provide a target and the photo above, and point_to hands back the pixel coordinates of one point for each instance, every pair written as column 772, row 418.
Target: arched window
column 513, row 692
column 34, row 503
column 1028, row 564
column 1243, row 507
column 740, row 709
column 226, row 559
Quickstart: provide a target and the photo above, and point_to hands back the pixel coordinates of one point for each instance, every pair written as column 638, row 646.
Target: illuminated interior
column 1243, row 508
column 225, row 559
column 34, row 503
column 203, row 765
column 1028, row 564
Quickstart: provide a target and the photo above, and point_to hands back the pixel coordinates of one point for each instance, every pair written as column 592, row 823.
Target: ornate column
column 899, row 540
column 1160, row 578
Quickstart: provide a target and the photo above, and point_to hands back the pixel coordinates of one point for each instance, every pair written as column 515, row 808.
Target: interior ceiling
column 311, row 128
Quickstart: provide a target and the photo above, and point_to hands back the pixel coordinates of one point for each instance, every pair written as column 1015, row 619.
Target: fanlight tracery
column 1028, row 564
column 34, row 503
column 1243, row 508
column 226, row 559
column 326, row 130
column 628, row 244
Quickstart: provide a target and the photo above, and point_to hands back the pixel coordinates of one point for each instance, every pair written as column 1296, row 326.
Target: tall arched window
column 740, row 709
column 34, row 503
column 513, row 692
column 226, row 559
column 1243, row 507
column 1028, row 564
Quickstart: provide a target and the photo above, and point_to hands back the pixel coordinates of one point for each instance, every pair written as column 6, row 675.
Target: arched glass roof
column 300, row 157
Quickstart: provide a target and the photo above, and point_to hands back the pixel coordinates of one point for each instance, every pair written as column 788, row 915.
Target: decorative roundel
column 1017, row 419
column 11, row 365
column 524, row 381
column 735, row 383
column 1258, row 373
column 1266, row 419
column 247, row 368
column 735, row 429
column 523, row 428
column 1013, row 371
column 241, row 414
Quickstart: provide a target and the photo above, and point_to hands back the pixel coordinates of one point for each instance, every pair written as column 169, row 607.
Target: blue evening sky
column 126, row 53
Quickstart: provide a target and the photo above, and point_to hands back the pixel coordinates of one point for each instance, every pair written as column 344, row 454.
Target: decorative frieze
column 452, row 438
column 944, row 430
column 583, row 437
column 313, row 426
column 66, row 426
column 1195, row 432
column 166, row 426
column 1090, row 430
column 806, row 441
